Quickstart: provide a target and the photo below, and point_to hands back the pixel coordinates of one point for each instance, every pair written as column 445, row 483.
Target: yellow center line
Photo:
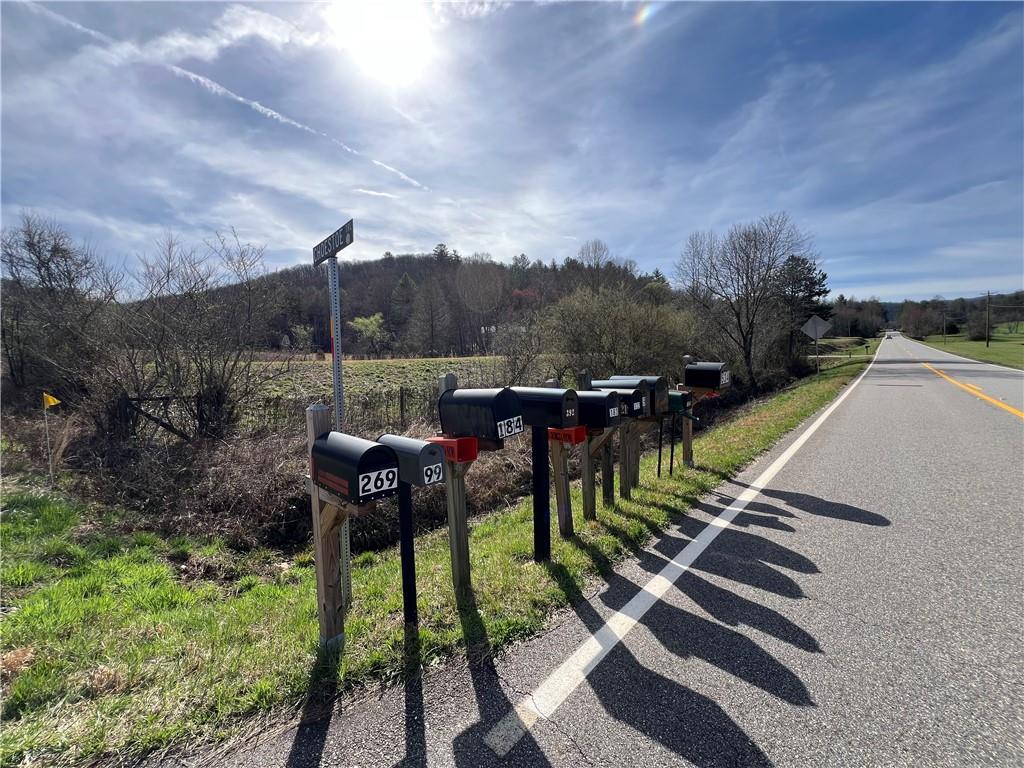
column 975, row 392
column 972, row 386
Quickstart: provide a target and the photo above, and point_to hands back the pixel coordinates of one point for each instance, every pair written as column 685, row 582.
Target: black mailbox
column 548, row 406
column 658, row 386
column 706, row 376
column 488, row 414
column 357, row 470
column 419, row 462
column 642, row 388
column 599, row 409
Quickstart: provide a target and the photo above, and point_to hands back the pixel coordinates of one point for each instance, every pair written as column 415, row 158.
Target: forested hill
column 441, row 302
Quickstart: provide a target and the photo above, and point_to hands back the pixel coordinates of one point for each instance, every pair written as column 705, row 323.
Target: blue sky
column 893, row 133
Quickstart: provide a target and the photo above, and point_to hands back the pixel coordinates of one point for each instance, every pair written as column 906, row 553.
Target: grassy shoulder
column 1005, row 348
column 116, row 644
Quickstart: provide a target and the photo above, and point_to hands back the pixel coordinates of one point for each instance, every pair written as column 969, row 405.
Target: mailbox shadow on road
column 491, row 700
column 686, row 722
column 307, row 747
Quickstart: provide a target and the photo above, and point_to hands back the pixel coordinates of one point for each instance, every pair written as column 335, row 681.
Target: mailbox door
column 706, row 375
column 548, row 407
column 357, row 470
column 378, row 474
column 598, row 410
column 419, row 462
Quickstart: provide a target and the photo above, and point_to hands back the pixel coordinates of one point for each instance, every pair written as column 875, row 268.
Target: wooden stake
column 625, row 462
column 587, row 467
column 688, row 439
column 458, row 525
column 560, row 471
column 331, row 548
column 607, row 474
column 458, row 531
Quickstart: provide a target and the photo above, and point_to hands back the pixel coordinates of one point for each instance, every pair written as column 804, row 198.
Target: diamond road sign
column 816, row 327
column 330, row 247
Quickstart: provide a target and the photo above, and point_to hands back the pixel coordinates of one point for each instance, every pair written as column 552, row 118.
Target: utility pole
column 943, row 326
column 988, row 315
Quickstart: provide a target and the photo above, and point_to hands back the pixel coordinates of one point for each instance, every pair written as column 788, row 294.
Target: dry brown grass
column 13, row 663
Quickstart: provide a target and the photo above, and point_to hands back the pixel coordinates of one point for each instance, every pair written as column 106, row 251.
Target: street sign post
column 816, row 327
column 327, row 250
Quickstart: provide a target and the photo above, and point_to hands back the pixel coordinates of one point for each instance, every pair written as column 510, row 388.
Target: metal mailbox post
column 346, row 476
column 600, row 413
column 679, row 405
column 420, row 463
column 471, row 420
column 545, row 408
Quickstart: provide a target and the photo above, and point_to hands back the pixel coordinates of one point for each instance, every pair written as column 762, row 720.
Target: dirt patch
column 12, row 664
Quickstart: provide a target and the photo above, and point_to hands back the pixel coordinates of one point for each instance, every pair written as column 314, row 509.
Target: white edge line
column 556, row 688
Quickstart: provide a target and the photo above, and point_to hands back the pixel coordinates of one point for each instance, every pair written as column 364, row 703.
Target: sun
column 389, row 40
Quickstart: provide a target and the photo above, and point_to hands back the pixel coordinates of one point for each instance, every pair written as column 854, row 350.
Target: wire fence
column 366, row 413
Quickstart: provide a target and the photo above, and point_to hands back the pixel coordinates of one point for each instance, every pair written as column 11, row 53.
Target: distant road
column 865, row 607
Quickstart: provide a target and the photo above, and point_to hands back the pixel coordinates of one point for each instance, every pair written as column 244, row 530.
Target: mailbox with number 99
column 419, row 462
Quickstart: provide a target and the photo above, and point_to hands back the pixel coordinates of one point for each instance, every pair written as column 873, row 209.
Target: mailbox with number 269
column 357, row 470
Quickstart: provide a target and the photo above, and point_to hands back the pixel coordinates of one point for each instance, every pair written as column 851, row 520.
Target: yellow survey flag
column 49, row 400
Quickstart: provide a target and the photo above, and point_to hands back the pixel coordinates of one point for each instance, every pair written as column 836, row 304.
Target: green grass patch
column 313, row 377
column 851, row 346
column 128, row 653
column 1005, row 348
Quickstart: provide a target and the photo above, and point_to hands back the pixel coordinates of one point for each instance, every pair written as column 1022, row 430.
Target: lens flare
column 645, row 12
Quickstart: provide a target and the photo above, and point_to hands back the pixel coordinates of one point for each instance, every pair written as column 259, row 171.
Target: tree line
column 180, row 341
column 977, row 317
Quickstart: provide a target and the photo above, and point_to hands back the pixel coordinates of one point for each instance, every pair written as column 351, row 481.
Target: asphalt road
column 865, row 608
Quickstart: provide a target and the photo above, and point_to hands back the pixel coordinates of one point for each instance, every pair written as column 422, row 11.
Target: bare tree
column 596, row 257
column 733, row 280
column 57, row 297
column 197, row 324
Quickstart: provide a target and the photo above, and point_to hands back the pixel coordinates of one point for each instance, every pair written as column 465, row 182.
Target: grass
column 117, row 644
column 1005, row 348
column 313, row 377
column 847, row 345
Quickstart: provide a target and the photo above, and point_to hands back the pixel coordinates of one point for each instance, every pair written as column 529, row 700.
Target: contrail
column 219, row 90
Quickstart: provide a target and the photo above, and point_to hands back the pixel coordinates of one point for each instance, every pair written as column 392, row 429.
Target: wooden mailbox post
column 346, row 477
column 471, row 420
column 600, row 414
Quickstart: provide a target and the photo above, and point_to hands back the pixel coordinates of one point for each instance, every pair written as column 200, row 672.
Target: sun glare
column 389, row 40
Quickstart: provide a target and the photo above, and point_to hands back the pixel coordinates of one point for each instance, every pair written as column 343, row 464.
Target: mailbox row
column 361, row 471
column 355, row 472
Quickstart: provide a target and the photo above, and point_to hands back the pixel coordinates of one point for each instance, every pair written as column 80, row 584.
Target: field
column 117, row 643
column 303, row 378
column 1005, row 348
column 851, row 346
